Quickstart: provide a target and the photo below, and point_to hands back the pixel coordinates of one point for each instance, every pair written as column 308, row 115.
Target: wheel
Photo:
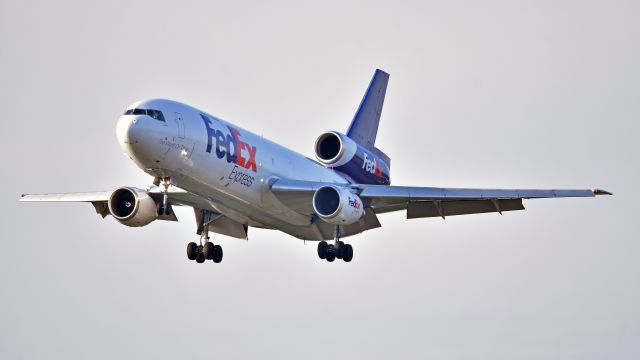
column 217, row 254
column 168, row 211
column 322, row 249
column 340, row 250
column 200, row 258
column 331, row 253
column 208, row 250
column 192, row 250
column 348, row 253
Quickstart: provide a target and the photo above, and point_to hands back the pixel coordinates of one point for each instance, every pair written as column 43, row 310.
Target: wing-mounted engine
column 337, row 151
column 132, row 207
column 337, row 205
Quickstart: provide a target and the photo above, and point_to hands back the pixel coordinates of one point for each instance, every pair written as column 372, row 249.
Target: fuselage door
column 180, row 125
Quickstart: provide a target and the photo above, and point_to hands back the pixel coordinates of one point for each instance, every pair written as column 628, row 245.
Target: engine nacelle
column 132, row 207
column 337, row 205
column 338, row 151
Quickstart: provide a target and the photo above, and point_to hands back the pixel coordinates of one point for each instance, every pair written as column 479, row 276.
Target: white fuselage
column 228, row 166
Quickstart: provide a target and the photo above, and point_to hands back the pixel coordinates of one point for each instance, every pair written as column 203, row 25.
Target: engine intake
column 132, row 207
column 337, row 205
column 362, row 165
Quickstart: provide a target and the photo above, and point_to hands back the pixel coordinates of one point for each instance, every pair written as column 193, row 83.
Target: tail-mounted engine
column 337, row 151
column 337, row 205
column 132, row 207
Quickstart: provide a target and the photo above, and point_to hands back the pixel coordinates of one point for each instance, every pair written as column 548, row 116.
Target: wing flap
column 423, row 209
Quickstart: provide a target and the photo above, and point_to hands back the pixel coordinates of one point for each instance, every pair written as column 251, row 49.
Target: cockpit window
column 156, row 114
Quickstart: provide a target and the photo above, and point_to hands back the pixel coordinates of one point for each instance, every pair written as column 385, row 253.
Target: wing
column 99, row 199
column 176, row 195
column 221, row 224
column 423, row 201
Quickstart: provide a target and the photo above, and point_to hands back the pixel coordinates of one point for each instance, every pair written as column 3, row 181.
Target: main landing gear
column 208, row 250
column 339, row 250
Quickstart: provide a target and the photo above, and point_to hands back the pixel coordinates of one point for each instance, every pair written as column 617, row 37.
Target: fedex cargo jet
column 234, row 180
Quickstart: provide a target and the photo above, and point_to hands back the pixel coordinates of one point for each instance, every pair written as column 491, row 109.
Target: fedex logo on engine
column 230, row 146
column 370, row 164
column 354, row 203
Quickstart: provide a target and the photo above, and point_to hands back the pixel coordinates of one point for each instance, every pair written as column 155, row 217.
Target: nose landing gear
column 164, row 209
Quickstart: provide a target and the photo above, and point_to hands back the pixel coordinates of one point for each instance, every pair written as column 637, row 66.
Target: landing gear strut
column 208, row 250
column 165, row 207
column 337, row 250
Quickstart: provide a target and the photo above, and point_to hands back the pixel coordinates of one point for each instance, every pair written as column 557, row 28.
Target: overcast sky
column 481, row 94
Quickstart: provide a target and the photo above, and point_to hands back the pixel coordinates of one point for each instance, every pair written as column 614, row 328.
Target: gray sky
column 491, row 94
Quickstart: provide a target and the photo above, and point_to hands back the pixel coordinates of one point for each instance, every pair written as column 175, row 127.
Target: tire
column 331, row 253
column 217, row 254
column 192, row 251
column 168, row 211
column 340, row 250
column 322, row 249
column 200, row 258
column 208, row 250
column 348, row 253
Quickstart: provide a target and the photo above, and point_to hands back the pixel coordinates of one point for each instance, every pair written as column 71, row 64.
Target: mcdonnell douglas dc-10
column 234, row 179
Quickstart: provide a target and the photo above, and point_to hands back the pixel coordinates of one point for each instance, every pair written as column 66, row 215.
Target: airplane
column 234, row 179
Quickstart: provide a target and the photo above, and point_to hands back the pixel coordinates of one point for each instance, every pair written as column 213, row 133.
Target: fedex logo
column 354, row 203
column 230, row 146
column 370, row 164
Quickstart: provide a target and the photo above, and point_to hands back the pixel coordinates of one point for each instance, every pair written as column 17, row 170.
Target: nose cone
column 136, row 138
column 122, row 130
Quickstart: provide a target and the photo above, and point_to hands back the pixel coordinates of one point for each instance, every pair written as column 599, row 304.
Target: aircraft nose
column 123, row 130
column 133, row 134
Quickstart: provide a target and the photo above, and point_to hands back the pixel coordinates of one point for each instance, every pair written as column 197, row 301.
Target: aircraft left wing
column 423, row 201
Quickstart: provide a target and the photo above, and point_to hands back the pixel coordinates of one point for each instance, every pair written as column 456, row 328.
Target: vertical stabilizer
column 364, row 126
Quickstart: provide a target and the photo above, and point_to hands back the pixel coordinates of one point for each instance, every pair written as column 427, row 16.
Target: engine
column 338, row 151
column 337, row 205
column 132, row 207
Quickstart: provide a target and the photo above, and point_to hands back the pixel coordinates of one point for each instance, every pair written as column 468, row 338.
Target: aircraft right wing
column 176, row 196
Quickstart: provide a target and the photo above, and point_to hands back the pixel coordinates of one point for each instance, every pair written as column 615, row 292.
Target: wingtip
column 601, row 192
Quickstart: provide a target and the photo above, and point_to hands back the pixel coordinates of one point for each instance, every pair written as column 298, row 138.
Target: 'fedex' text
column 230, row 146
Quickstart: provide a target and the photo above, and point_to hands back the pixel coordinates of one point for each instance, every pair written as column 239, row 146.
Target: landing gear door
column 180, row 125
